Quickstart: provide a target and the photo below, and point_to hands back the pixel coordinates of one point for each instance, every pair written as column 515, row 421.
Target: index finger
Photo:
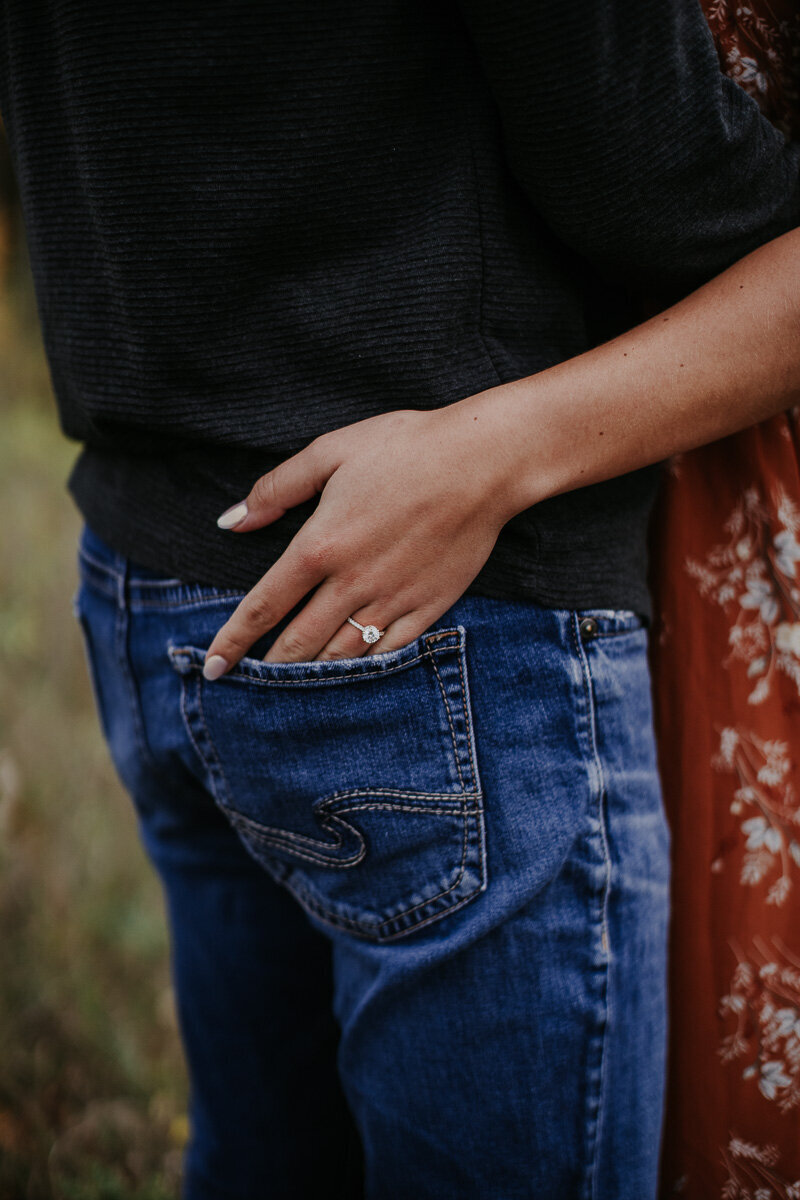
column 283, row 586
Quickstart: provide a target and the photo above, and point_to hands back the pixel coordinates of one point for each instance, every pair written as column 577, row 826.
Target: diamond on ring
column 369, row 633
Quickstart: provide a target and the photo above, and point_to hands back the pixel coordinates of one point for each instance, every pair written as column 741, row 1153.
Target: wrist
column 507, row 446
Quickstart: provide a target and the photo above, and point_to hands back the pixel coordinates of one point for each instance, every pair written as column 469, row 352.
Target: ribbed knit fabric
column 252, row 223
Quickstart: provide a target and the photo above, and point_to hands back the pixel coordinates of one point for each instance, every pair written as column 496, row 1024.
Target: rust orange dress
column 726, row 662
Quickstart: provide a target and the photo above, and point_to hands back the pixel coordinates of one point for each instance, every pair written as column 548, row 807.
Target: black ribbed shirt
column 251, row 223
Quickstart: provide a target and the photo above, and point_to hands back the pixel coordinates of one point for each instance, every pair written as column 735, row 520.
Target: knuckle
column 320, row 446
column 351, row 579
column 321, row 456
column 317, row 553
column 257, row 612
column 264, row 491
column 293, row 646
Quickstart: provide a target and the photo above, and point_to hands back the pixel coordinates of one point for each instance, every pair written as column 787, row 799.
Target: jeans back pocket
column 354, row 783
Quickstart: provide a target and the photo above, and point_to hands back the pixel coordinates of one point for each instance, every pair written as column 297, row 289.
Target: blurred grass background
column 92, row 1084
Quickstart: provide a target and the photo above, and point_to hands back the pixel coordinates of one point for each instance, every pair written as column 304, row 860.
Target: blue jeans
column 418, row 901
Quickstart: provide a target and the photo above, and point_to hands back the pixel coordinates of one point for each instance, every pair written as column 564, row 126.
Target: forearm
column 724, row 358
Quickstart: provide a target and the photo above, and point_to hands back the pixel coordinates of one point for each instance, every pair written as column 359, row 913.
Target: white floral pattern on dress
column 766, row 798
column 764, row 1000
column 753, row 1175
column 757, row 54
column 754, row 578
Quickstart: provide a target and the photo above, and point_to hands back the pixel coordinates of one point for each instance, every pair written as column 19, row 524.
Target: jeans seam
column 162, row 582
column 604, row 635
column 103, row 583
column 102, row 567
column 188, row 724
column 139, row 604
column 122, row 637
column 594, row 1132
column 215, row 768
column 109, row 581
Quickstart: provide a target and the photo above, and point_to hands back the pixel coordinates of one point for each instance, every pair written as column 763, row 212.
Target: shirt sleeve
column 629, row 140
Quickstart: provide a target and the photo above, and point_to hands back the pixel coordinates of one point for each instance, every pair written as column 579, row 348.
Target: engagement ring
column 369, row 633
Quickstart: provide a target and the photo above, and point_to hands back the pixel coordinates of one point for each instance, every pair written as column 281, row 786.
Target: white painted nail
column 215, row 666
column 232, row 516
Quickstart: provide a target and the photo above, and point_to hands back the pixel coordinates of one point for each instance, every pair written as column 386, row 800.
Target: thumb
column 298, row 478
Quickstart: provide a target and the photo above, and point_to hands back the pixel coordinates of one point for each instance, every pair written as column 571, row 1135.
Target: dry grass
column 92, row 1088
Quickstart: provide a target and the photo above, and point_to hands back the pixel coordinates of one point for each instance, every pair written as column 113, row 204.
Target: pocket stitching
column 471, row 813
column 461, row 648
column 274, row 836
column 435, row 666
column 468, row 718
column 246, row 674
column 357, row 927
column 334, row 919
column 263, row 833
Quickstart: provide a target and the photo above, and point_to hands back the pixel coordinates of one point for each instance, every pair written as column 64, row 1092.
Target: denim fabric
column 418, row 900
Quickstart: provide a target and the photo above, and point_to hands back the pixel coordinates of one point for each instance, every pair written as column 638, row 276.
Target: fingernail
column 232, row 516
column 215, row 666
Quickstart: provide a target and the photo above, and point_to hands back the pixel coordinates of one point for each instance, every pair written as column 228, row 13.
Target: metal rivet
column 588, row 629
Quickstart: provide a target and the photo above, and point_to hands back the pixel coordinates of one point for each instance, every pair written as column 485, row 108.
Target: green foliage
column 92, row 1087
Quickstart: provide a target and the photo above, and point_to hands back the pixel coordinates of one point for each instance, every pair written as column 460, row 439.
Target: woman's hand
column 411, row 505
